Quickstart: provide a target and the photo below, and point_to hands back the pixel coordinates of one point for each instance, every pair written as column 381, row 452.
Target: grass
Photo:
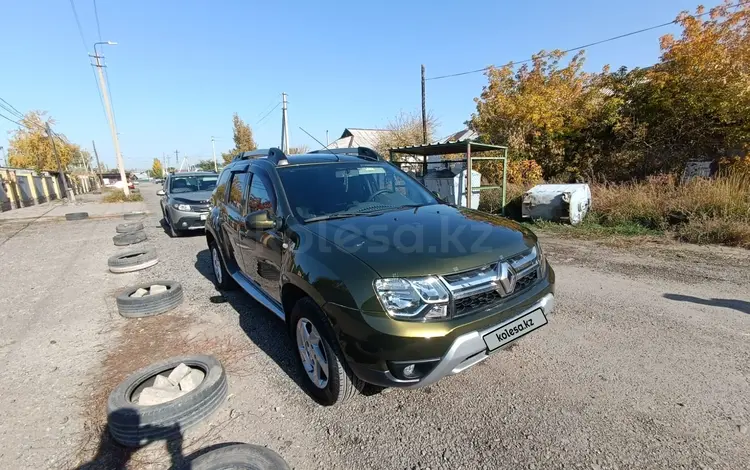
column 118, row 195
column 715, row 211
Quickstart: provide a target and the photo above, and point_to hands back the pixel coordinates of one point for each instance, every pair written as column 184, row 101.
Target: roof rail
column 273, row 154
column 362, row 152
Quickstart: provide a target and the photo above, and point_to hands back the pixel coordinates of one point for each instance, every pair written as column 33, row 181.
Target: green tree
column 156, row 169
column 205, row 165
column 30, row 147
column 243, row 139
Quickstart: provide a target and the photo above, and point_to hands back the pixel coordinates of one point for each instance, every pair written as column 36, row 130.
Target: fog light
column 409, row 371
column 184, row 224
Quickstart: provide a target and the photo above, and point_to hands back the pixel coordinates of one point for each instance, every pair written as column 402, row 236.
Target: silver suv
column 184, row 201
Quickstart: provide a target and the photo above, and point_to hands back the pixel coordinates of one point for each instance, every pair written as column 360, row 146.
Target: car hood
column 436, row 239
column 195, row 197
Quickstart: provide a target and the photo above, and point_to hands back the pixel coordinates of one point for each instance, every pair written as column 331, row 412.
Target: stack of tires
column 131, row 233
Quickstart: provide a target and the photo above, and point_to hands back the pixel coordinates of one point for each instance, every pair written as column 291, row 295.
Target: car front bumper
column 375, row 347
column 187, row 220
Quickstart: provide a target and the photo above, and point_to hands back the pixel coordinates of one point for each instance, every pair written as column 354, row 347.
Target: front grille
column 467, row 305
column 200, row 208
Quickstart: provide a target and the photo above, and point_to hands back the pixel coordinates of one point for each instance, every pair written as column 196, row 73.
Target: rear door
column 233, row 214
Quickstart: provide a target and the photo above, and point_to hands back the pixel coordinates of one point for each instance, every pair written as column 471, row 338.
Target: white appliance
column 557, row 202
column 450, row 184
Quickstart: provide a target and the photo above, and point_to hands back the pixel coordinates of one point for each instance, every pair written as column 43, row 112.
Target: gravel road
column 646, row 364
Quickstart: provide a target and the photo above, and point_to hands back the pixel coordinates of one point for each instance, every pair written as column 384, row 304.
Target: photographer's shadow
column 111, row 455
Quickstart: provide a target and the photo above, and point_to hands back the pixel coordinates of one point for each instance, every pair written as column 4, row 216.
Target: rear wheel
column 327, row 377
column 222, row 279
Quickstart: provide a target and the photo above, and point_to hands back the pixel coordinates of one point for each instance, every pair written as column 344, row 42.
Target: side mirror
column 259, row 220
column 160, row 192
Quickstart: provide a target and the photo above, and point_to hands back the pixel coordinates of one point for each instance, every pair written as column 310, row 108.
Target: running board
column 256, row 293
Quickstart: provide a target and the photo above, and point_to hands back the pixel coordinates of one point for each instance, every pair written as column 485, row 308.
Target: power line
column 595, row 43
column 265, row 109
column 14, row 122
column 78, row 23
column 268, row 113
column 14, row 110
column 98, row 28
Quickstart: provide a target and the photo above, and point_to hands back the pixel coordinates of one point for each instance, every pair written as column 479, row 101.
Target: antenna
column 316, row 140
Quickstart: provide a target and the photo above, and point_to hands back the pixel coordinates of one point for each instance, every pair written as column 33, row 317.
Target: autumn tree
column 156, row 169
column 699, row 104
column 243, row 139
column 30, row 147
column 403, row 130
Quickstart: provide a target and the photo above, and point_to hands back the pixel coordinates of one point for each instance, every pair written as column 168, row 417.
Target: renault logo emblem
column 506, row 277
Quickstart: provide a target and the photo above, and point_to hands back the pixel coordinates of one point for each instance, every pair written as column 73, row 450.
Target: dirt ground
column 645, row 364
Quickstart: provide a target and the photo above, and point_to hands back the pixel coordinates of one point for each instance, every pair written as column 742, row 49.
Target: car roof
column 192, row 173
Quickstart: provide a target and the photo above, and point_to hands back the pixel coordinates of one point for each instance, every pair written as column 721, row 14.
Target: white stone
column 162, row 382
column 157, row 289
column 139, row 293
column 178, row 373
column 154, row 396
column 191, row 381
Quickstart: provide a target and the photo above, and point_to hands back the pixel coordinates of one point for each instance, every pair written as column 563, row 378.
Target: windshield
column 348, row 189
column 191, row 183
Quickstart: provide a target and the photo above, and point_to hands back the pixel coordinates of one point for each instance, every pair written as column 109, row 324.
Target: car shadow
column 259, row 324
column 734, row 304
column 111, row 455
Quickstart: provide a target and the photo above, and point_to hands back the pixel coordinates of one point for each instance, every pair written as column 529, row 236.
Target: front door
column 233, row 215
column 261, row 249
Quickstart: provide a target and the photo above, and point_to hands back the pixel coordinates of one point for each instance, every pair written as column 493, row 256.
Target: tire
column 131, row 238
column 132, row 260
column 134, row 425
column 172, row 231
column 240, row 457
column 135, row 215
column 149, row 305
column 222, row 279
column 76, row 216
column 131, row 227
column 341, row 383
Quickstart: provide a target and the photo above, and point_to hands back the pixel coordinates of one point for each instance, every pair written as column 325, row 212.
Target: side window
column 236, row 187
column 220, row 192
column 260, row 197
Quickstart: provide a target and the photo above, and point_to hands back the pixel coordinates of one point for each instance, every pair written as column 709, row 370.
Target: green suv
column 378, row 280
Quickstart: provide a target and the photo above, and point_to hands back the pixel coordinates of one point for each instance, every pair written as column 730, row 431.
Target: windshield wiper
column 338, row 215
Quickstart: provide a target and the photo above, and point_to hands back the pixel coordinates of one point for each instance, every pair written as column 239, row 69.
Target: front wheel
column 327, row 377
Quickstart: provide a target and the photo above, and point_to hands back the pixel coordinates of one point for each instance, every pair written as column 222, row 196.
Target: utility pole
column 110, row 117
column 424, row 110
column 176, row 158
column 98, row 165
column 213, row 149
column 69, row 194
column 163, row 164
column 327, row 143
column 284, row 130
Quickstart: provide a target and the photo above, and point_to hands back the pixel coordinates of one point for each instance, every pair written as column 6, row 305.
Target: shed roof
column 445, row 148
column 355, row 137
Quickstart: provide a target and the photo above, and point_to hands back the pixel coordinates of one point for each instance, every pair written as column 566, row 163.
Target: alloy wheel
column 312, row 352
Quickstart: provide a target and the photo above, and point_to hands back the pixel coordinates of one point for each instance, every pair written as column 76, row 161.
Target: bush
column 118, row 195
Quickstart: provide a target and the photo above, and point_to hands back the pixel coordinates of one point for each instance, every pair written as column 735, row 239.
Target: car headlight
column 181, row 207
column 417, row 299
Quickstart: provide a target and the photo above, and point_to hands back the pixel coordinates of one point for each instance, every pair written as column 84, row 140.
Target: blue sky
column 181, row 68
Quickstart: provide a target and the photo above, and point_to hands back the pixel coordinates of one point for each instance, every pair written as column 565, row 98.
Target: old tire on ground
column 240, row 456
column 130, row 238
column 77, row 216
column 135, row 215
column 320, row 346
column 131, row 227
column 135, row 425
column 152, row 304
column 132, row 260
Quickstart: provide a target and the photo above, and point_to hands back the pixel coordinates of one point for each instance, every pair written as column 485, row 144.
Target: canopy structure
column 466, row 147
